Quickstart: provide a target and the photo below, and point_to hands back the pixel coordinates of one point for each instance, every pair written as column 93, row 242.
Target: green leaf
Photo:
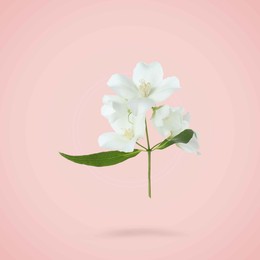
column 101, row 159
column 183, row 137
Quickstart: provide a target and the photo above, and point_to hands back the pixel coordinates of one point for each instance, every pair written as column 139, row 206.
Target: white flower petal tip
column 192, row 146
column 166, row 89
column 148, row 72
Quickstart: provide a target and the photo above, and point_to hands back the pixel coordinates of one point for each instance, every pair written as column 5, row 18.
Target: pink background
column 55, row 60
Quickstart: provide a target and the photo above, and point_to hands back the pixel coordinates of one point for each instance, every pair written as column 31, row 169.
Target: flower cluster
column 126, row 111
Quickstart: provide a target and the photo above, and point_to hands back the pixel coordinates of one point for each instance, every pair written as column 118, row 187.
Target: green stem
column 149, row 174
column 147, row 136
column 149, row 151
column 141, row 146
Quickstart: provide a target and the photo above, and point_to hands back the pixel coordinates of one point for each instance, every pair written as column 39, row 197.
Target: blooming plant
column 126, row 113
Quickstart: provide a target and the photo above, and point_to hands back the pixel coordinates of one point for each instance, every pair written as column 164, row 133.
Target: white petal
column 139, row 126
column 130, row 146
column 180, row 120
column 158, row 120
column 123, row 86
column 163, row 131
column 192, row 146
column 114, row 108
column 140, row 105
column 107, row 109
column 112, row 98
column 186, row 117
column 121, row 124
column 159, row 115
column 114, row 141
column 165, row 90
column 152, row 73
column 116, row 111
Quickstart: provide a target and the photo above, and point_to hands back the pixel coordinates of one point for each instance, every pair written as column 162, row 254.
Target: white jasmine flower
column 127, row 126
column 147, row 86
column 125, row 137
column 170, row 121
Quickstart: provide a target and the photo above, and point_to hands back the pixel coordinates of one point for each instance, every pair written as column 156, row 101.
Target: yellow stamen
column 129, row 134
column 145, row 88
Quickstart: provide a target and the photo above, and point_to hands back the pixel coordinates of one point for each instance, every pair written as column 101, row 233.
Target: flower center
column 129, row 134
column 145, row 88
